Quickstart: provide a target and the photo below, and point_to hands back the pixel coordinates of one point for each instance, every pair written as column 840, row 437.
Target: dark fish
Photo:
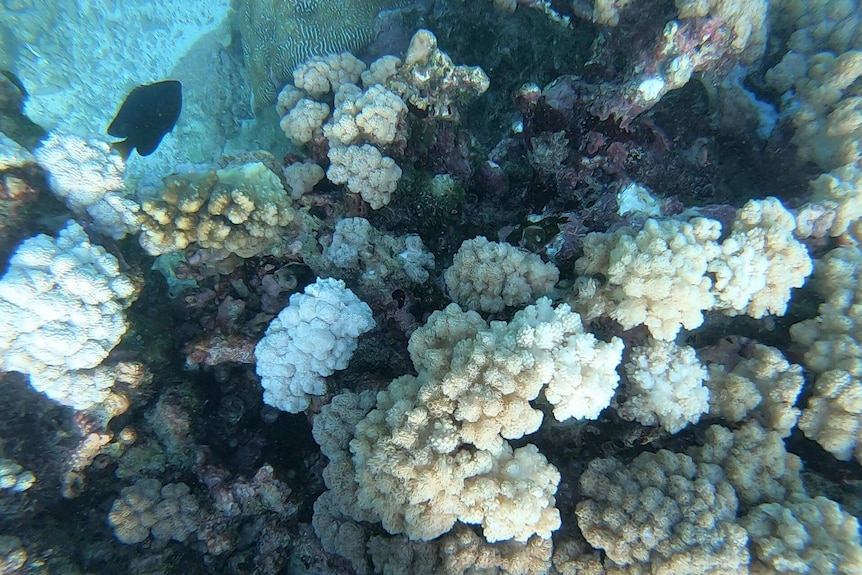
column 149, row 112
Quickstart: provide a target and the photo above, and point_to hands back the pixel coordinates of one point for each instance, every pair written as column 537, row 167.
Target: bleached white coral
column 61, row 311
column 366, row 172
column 665, row 386
column 88, row 176
column 488, row 276
column 311, row 338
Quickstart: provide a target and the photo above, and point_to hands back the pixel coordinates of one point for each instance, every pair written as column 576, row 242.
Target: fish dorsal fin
column 123, row 147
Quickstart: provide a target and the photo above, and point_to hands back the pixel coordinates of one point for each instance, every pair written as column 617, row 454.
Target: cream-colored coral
column 380, row 70
column 301, row 177
column 838, row 191
column 465, row 553
column 754, row 461
column 665, row 386
column 488, row 276
column 833, row 351
column 242, row 209
column 366, row 172
column 434, row 449
column 148, row 508
column 763, row 382
column 833, row 416
column 431, row 345
column 760, row 262
column 662, row 513
column 804, row 536
column 656, row 276
column 303, row 120
column 372, row 116
column 322, row 74
column 823, row 103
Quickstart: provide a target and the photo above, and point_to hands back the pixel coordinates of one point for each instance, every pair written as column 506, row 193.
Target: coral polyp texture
column 434, row 450
column 62, row 311
column 314, row 336
column 242, row 209
column 669, row 272
column 488, row 276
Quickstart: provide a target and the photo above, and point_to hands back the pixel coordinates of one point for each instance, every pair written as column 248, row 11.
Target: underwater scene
column 420, row 287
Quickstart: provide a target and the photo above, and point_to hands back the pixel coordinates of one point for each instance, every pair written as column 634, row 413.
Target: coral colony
column 506, row 287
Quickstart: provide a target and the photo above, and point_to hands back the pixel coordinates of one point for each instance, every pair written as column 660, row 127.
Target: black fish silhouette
column 148, row 113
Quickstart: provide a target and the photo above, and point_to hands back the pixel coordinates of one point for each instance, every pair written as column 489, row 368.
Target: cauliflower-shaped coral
column 833, row 416
column 357, row 245
column 88, row 176
column 311, row 338
column 488, row 276
column 371, row 116
column 149, row 509
column 763, row 382
column 656, row 276
column 433, row 451
column 61, row 313
column 322, row 74
column 760, row 261
column 303, row 120
column 662, row 512
column 838, row 191
column 754, row 461
column 804, row 536
column 665, row 386
column 366, row 172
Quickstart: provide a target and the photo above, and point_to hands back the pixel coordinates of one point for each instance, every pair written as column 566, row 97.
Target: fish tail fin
column 124, row 148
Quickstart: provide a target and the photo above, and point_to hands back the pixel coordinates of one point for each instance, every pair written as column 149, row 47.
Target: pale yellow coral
column 242, row 209
column 488, row 276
